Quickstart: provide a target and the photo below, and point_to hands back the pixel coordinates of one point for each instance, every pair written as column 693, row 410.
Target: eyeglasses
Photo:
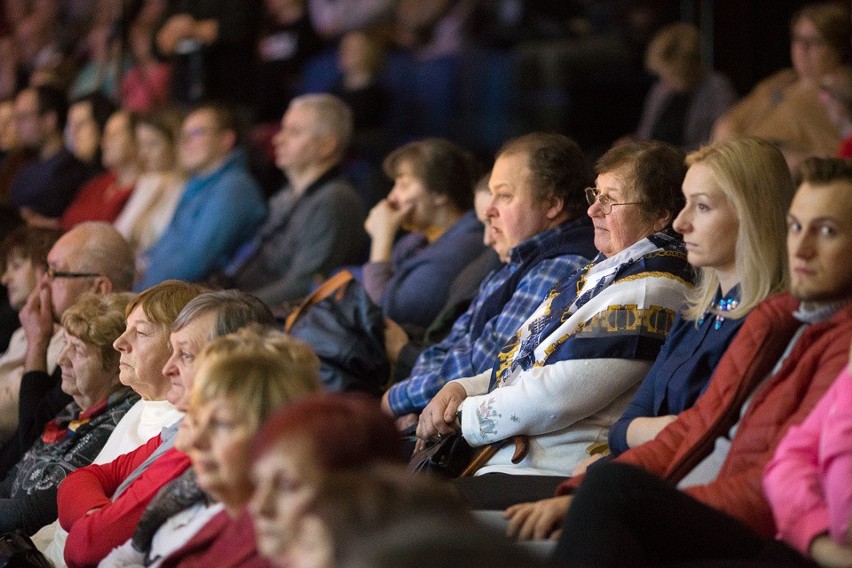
column 54, row 274
column 594, row 194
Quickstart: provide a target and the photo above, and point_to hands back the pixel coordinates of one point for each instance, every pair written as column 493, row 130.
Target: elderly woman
column 242, row 379
column 432, row 198
column 299, row 447
column 570, row 370
column 122, row 489
column 785, row 107
column 90, row 376
column 143, row 349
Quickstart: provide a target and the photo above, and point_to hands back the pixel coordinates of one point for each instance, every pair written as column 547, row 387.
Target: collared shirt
column 462, row 355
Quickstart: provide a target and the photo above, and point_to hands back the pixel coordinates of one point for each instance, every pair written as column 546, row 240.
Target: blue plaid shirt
column 461, row 355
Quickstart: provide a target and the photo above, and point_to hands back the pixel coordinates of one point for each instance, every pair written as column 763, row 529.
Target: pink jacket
column 809, row 481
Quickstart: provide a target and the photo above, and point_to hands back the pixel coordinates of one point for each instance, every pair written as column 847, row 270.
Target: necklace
column 719, row 308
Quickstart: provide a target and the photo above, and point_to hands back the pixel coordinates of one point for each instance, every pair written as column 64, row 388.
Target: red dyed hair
column 345, row 430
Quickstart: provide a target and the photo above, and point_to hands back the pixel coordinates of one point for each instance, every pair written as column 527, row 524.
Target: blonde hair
column 752, row 174
column 258, row 369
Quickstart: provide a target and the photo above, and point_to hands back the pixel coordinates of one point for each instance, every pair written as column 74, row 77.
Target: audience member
column 299, row 446
column 737, row 195
column 24, row 255
column 48, row 184
column 786, row 355
column 360, row 60
column 687, row 98
column 151, row 205
column 785, row 107
column 315, row 222
column 121, row 490
column 571, row 369
column 103, row 197
column 13, row 156
column 90, row 258
column 354, row 519
column 241, row 379
column 144, row 350
column 287, row 41
column 145, row 85
column 211, row 47
column 220, row 208
column 807, row 481
column 104, row 64
column 87, row 118
column 76, row 434
column 535, row 215
column 431, row 198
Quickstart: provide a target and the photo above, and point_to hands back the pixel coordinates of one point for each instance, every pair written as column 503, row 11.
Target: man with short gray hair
column 316, row 221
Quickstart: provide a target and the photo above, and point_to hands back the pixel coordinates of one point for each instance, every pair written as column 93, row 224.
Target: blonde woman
column 734, row 227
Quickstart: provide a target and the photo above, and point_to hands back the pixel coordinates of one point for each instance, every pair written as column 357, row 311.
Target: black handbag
column 447, row 456
column 347, row 331
column 18, row 551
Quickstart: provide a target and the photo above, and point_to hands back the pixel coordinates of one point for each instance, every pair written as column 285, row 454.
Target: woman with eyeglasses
column 785, row 108
column 571, row 369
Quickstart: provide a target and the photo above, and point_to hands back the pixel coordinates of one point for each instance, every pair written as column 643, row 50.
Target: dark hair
column 51, row 99
column 832, row 21
column 31, row 243
column 224, row 117
column 345, row 430
column 654, row 169
column 166, row 121
column 558, row 168
column 102, row 107
column 442, row 166
column 822, row 171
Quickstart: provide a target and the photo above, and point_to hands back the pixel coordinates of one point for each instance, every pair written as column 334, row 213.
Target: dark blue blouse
column 680, row 373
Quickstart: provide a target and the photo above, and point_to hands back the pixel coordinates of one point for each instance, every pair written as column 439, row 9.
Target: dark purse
column 18, row 551
column 347, row 332
column 447, row 456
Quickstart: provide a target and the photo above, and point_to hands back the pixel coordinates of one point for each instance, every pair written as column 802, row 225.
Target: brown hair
column 833, row 22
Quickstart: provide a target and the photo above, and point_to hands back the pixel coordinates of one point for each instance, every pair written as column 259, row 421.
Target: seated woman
column 572, row 367
column 72, row 439
column 103, row 198
column 688, row 98
column 432, row 197
column 144, row 350
column 734, row 224
column 241, row 379
column 148, row 211
column 381, row 516
column 298, row 448
column 785, row 107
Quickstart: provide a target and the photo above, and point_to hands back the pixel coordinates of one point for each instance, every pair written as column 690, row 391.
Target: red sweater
column 224, row 542
column 92, row 537
column 784, row 399
column 92, row 203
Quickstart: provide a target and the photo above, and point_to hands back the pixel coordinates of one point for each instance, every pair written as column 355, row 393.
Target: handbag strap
column 335, row 284
column 522, row 446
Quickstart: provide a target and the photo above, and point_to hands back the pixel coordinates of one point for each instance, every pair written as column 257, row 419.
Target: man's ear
column 555, row 207
column 228, row 141
column 103, row 285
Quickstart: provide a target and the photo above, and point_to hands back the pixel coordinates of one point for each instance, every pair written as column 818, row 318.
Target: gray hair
column 234, row 310
column 333, row 116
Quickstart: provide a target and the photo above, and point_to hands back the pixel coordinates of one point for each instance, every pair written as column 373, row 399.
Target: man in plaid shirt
column 536, row 223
